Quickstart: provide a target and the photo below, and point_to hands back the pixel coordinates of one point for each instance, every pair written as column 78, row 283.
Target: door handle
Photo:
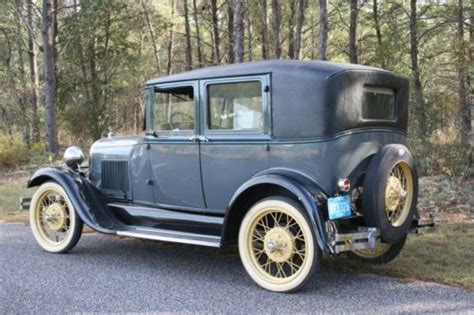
column 199, row 138
column 193, row 138
column 202, row 138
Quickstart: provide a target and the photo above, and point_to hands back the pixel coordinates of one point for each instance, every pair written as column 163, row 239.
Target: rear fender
column 89, row 202
column 295, row 188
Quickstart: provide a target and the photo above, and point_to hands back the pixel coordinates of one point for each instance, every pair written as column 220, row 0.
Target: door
column 172, row 148
column 236, row 129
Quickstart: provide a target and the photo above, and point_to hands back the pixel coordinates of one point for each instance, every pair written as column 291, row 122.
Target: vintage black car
column 287, row 159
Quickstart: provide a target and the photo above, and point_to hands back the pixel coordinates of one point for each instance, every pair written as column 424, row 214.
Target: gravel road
column 110, row 274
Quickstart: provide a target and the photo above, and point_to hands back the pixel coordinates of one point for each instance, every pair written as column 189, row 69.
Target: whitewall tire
column 53, row 220
column 277, row 245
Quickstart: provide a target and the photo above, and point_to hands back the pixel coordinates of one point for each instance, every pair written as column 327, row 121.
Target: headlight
column 73, row 157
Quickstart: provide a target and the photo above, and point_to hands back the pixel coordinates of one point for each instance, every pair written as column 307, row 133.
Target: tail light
column 344, row 184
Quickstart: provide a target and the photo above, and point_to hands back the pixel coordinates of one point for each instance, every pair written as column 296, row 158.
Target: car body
column 220, row 140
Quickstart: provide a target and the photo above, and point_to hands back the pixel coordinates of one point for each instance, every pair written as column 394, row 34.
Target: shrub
column 13, row 151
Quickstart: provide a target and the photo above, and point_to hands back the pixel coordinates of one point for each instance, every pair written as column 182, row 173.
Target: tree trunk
column 264, row 28
column 152, row 36
column 169, row 67
column 299, row 28
column 249, row 36
column 239, row 31
column 23, row 98
column 465, row 108
column 276, row 25
column 54, row 38
column 420, row 111
column 230, row 30
column 49, row 79
column 323, row 29
column 33, row 74
column 353, row 32
column 470, row 74
column 378, row 33
column 198, row 34
column 187, row 28
column 215, row 32
column 291, row 29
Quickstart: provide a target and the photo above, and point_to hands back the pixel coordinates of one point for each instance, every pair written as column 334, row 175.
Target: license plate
column 339, row 207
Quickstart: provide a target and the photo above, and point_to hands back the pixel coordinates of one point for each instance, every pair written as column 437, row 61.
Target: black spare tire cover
column 390, row 192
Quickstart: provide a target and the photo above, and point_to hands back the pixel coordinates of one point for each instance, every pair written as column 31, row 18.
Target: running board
column 171, row 236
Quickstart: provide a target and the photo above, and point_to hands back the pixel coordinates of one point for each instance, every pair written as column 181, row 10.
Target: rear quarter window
column 378, row 103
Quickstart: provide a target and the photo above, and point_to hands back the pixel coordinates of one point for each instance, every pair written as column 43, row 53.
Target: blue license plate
column 339, row 207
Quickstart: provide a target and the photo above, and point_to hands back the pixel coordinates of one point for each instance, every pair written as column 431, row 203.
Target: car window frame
column 217, row 134
column 151, row 121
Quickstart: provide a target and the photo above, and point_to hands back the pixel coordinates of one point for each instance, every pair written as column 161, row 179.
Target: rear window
column 378, row 103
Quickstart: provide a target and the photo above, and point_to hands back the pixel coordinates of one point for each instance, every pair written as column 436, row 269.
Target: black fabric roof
column 323, row 68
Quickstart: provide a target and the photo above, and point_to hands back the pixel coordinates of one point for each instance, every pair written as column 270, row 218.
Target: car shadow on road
column 200, row 263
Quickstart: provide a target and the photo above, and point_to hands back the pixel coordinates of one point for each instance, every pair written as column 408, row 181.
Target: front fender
column 89, row 202
column 300, row 192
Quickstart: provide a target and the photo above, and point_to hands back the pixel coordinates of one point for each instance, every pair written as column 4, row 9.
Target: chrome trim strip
column 185, row 238
column 168, row 214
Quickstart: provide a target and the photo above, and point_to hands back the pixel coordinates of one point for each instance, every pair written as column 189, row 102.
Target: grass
column 443, row 256
column 11, row 190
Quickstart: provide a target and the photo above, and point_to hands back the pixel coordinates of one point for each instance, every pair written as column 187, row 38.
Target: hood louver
column 114, row 177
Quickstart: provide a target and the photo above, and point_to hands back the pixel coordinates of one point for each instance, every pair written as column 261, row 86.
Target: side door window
column 175, row 109
column 235, row 106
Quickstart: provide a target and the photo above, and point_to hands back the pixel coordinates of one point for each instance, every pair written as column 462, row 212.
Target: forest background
column 69, row 69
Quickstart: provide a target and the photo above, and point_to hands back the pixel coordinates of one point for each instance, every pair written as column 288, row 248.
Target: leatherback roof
column 325, row 68
column 311, row 99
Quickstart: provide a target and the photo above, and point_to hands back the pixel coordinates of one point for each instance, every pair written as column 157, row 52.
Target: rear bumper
column 369, row 238
column 420, row 226
column 364, row 238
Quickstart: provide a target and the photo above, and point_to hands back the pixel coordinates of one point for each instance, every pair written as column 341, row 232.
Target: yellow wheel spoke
column 264, row 226
column 294, row 267
column 300, row 253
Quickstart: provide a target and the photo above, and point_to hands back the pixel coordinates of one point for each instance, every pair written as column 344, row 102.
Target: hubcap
column 399, row 194
column 279, row 244
column 394, row 193
column 55, row 216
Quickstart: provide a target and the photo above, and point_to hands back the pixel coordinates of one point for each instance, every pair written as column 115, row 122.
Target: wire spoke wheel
column 398, row 194
column 378, row 251
column 53, row 219
column 276, row 245
column 53, row 216
column 381, row 254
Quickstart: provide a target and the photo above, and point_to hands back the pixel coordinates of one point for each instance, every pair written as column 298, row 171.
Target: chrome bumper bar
column 369, row 238
column 25, row 203
column 365, row 238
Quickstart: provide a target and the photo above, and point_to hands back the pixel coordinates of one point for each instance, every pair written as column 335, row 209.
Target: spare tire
column 390, row 192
